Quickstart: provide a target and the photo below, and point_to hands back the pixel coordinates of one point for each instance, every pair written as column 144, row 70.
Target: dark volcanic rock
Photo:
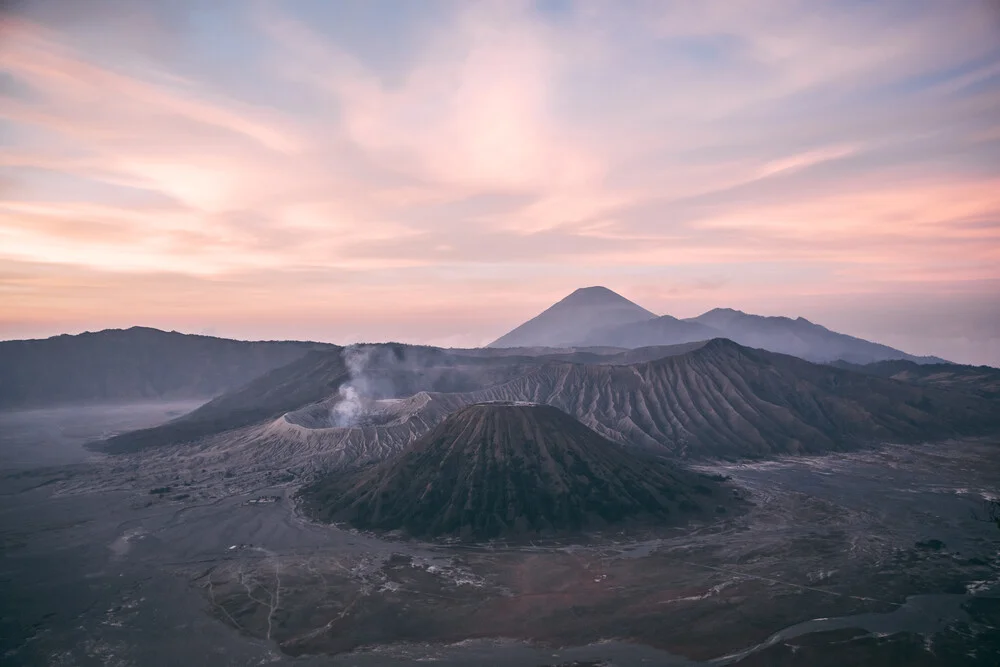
column 509, row 469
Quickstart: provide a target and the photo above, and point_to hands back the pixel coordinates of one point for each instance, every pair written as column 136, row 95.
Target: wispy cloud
column 462, row 164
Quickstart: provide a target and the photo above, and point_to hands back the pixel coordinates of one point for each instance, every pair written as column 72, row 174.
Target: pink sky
column 439, row 172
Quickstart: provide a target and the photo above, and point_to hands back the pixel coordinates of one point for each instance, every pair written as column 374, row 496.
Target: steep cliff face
column 725, row 400
column 512, row 469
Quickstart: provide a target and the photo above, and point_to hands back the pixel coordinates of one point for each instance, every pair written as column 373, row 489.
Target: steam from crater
column 351, row 406
column 381, row 371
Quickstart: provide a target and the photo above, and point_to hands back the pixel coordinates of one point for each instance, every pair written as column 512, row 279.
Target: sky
column 439, row 172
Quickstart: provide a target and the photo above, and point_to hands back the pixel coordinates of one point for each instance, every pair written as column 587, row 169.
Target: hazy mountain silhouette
column 799, row 337
column 588, row 325
column 133, row 364
column 596, row 316
column 663, row 330
column 568, row 321
column 502, row 470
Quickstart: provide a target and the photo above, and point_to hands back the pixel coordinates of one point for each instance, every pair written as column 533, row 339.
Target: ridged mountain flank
column 495, row 470
column 728, row 401
column 700, row 400
column 567, row 322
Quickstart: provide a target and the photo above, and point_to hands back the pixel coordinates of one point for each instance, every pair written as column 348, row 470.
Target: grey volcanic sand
column 95, row 570
column 53, row 436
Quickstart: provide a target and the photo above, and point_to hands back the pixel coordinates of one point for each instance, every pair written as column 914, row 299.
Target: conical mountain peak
column 596, row 295
column 570, row 320
column 508, row 469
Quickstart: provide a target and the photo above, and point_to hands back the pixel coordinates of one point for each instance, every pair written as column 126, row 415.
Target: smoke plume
column 380, row 371
column 351, row 405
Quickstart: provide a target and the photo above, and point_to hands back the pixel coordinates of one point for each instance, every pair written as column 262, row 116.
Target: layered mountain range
column 316, row 406
column 576, row 420
column 592, row 324
column 596, row 316
column 713, row 400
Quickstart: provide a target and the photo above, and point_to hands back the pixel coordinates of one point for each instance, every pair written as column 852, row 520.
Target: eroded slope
column 507, row 469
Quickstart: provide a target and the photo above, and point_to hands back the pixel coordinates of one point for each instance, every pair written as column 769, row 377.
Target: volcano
column 568, row 321
column 494, row 470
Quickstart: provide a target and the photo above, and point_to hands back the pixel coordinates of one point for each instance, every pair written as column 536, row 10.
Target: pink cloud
column 512, row 156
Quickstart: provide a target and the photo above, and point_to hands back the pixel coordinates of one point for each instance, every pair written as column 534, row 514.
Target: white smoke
column 351, row 405
column 377, row 372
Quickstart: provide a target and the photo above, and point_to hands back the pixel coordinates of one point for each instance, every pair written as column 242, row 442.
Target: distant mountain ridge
column 133, row 364
column 141, row 363
column 663, row 330
column 800, row 338
column 596, row 316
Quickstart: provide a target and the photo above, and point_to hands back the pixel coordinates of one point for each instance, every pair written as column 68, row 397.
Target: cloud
column 36, row 56
column 491, row 156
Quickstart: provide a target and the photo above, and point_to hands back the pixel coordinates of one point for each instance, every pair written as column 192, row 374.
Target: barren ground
column 865, row 558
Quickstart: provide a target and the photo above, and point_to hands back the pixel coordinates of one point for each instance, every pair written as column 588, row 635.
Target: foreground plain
column 871, row 557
